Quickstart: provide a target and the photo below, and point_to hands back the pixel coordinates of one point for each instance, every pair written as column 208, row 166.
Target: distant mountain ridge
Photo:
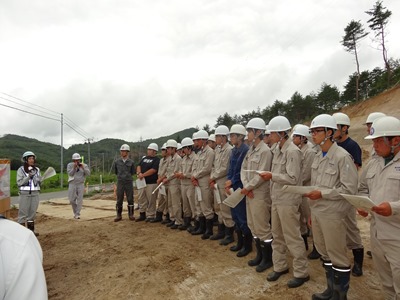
column 102, row 153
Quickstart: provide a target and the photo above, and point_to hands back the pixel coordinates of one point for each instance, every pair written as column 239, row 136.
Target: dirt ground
column 95, row 258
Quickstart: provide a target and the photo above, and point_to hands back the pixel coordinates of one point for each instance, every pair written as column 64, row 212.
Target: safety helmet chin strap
column 330, row 137
column 386, row 141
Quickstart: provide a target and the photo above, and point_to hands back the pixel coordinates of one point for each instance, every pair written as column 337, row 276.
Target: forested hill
column 102, row 153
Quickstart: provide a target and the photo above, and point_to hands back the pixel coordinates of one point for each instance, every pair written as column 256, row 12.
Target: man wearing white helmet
column 301, row 137
column 179, row 150
column 147, row 170
column 381, row 182
column 28, row 182
column 212, row 141
column 187, row 188
column 77, row 173
column 258, row 197
column 217, row 185
column 174, row 190
column 334, row 173
column 285, row 216
column 234, row 182
column 368, row 123
column 124, row 169
column 354, row 241
column 200, row 178
column 162, row 199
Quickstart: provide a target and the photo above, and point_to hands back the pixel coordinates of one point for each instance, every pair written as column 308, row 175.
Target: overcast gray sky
column 130, row 69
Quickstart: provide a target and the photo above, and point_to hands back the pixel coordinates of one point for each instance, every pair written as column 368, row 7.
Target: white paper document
column 162, row 190
column 50, row 172
column 156, row 189
column 234, row 198
column 140, row 183
column 359, row 201
column 255, row 171
column 197, row 192
column 217, row 196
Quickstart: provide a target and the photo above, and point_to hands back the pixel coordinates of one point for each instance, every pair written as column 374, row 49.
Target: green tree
column 207, row 128
column 379, row 19
column 328, row 98
column 354, row 32
column 226, row 120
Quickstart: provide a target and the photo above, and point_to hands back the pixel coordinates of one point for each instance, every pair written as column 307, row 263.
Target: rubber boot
column 131, row 210
column 31, row 226
column 228, row 237
column 202, row 226
column 186, row 223
column 304, row 236
column 266, row 262
column 142, row 217
column 119, row 214
column 166, row 220
column 220, row 234
column 239, row 244
column 209, row 229
column 195, row 227
column 327, row 294
column 247, row 245
column 341, row 284
column 358, row 262
column 256, row 260
column 314, row 253
column 158, row 217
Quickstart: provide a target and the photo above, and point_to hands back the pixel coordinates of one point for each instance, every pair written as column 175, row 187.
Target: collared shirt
column 309, row 153
column 235, row 165
column 221, row 164
column 173, row 165
column 187, row 163
column 204, row 162
column 124, row 169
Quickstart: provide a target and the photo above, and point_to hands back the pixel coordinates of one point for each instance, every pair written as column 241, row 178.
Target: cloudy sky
column 129, row 69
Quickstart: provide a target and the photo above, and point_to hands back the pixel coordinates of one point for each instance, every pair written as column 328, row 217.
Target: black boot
column 341, row 284
column 119, row 214
column 202, row 226
column 239, row 244
column 131, row 210
column 209, row 229
column 220, row 234
column 195, row 227
column 266, row 262
column 327, row 294
column 304, row 236
column 256, row 260
column 186, row 223
column 158, row 217
column 31, row 226
column 314, row 253
column 358, row 262
column 166, row 220
column 228, row 237
column 142, row 217
column 247, row 245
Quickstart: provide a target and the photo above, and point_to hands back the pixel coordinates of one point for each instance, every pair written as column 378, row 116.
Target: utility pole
column 103, row 162
column 89, row 139
column 62, row 153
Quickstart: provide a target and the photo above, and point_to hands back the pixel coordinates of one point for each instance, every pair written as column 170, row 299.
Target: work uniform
column 381, row 182
column 28, row 182
column 147, row 199
column 258, row 209
column 162, row 206
column 21, row 270
column 202, row 174
column 218, row 175
column 187, row 188
column 76, row 186
column 124, row 169
column 332, row 173
column 174, row 190
column 286, row 170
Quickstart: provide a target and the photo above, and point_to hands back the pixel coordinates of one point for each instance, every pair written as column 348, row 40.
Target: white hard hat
column 164, row 146
column 201, row 135
column 238, row 129
column 179, row 146
column 76, row 156
column 125, row 147
column 373, row 116
column 267, row 130
column 194, row 136
column 341, row 119
column 256, row 123
column 153, row 146
column 302, row 130
column 278, row 124
column 211, row 137
column 172, row 144
column 187, row 142
column 384, row 126
column 324, row 120
column 222, row 130
column 27, row 154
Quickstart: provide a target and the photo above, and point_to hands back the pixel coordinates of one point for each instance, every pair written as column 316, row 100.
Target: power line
column 29, row 112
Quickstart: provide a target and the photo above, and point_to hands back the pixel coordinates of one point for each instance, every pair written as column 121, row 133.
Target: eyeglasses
column 316, row 131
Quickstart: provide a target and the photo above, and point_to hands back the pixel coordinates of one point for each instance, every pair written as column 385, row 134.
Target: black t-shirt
column 354, row 149
column 148, row 163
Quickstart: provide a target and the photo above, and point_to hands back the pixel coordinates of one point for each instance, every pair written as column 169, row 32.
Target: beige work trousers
column 224, row 211
column 188, row 200
column 162, row 205
column 147, row 200
column 353, row 237
column 206, row 203
column 258, row 213
column 304, row 215
column 286, row 233
column 175, row 203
